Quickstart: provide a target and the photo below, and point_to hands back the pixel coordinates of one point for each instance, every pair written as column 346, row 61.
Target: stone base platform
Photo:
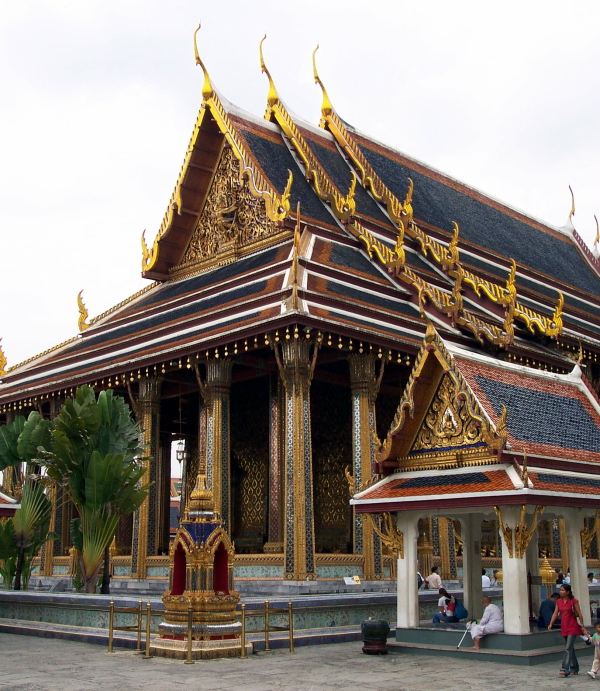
column 201, row 650
column 530, row 649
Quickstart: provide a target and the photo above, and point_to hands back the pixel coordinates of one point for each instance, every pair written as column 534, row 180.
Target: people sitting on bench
column 492, row 621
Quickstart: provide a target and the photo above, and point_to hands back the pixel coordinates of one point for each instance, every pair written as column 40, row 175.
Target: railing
column 136, row 627
column 266, row 613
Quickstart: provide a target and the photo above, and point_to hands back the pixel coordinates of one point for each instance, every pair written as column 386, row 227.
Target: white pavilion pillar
column 408, row 589
column 574, row 524
column 514, row 578
column 533, row 566
column 470, row 527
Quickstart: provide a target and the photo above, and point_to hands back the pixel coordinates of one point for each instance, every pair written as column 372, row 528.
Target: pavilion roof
column 479, row 486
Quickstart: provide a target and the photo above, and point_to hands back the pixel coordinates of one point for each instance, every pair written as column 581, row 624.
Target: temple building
column 305, row 282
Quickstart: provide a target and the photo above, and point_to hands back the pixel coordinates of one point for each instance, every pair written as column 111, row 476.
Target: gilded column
column 276, row 446
column 145, row 529
column 296, row 365
column 218, row 461
column 363, row 384
column 57, row 497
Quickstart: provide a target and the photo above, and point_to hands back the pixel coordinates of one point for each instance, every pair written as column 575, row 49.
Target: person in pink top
column 567, row 607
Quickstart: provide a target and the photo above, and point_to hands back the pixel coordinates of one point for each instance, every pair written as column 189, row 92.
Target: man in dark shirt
column 546, row 611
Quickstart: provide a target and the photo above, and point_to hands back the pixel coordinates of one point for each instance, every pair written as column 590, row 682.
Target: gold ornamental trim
column 277, row 205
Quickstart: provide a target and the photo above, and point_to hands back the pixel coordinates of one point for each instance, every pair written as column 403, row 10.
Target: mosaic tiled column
column 564, row 547
column 58, row 498
column 163, row 494
column 533, row 567
column 218, row 461
column 145, row 531
column 363, row 388
column 276, row 446
column 299, row 538
column 447, row 548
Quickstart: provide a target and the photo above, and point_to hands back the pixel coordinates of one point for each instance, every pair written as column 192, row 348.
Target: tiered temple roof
column 380, row 239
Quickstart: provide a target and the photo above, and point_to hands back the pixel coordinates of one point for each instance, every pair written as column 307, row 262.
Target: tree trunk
column 105, row 589
column 89, row 582
column 19, row 568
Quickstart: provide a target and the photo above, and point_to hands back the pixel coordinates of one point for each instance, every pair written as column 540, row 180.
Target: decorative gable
column 448, row 424
column 232, row 223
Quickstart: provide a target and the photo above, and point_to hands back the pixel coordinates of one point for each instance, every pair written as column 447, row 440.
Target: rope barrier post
column 243, row 634
column 291, row 626
column 148, row 623
column 267, row 644
column 111, row 626
column 138, row 648
column 188, row 659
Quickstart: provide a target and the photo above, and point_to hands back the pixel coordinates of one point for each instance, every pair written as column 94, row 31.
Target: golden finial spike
column 597, row 240
column 83, row 313
column 207, row 90
column 272, row 97
column 326, row 107
column 2, row 362
column 572, row 212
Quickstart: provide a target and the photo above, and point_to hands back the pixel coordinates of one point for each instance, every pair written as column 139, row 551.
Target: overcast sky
column 98, row 100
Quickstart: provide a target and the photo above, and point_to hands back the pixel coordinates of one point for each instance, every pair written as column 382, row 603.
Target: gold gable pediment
column 448, row 422
column 231, row 224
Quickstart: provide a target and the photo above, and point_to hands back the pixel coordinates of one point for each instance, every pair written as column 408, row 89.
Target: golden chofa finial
column 207, row 89
column 2, row 362
column 272, row 97
column 597, row 239
column 572, row 212
column 326, row 107
column 83, row 313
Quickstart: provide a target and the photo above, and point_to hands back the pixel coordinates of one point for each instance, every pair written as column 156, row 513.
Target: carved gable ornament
column 448, row 424
column 231, row 219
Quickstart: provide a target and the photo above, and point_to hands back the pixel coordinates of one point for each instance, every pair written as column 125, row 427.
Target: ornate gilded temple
column 291, row 282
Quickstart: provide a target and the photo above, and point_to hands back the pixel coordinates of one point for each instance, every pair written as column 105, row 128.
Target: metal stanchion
column 111, row 625
column 267, row 645
column 148, row 623
column 291, row 626
column 188, row 659
column 138, row 648
column 243, row 634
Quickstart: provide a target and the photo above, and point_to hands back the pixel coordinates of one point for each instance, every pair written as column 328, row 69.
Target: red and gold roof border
column 447, row 256
column 277, row 205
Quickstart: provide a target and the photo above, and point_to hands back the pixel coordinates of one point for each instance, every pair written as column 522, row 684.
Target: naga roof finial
column 597, row 238
column 2, row 362
column 83, row 313
column 326, row 107
column 207, row 89
column 572, row 212
column 272, row 97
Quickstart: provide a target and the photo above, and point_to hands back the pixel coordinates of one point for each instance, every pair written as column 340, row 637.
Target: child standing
column 596, row 641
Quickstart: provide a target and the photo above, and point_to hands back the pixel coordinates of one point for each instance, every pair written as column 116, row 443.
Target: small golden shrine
column 201, row 577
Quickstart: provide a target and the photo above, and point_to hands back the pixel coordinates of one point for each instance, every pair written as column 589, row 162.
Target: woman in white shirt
column 446, row 605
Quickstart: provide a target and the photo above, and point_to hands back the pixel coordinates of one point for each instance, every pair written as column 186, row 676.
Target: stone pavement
column 29, row 663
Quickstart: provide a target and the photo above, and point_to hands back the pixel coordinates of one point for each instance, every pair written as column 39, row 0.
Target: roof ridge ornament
column 83, row 313
column 326, row 107
column 3, row 361
column 597, row 238
column 207, row 88
column 273, row 96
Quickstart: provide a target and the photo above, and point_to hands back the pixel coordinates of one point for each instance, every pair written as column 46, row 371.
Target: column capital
column 149, row 390
column 295, row 360
column 219, row 372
